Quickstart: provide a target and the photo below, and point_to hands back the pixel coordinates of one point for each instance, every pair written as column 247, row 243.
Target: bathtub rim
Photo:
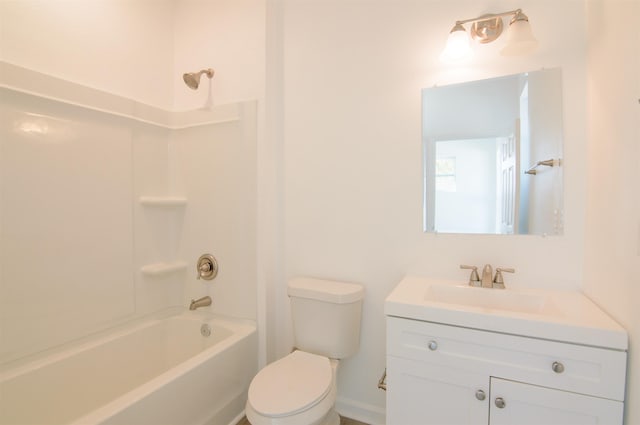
column 17, row 367
column 242, row 328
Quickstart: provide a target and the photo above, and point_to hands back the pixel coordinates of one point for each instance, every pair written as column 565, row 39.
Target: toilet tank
column 326, row 316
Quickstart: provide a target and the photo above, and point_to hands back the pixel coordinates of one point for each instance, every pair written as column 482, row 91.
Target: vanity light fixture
column 487, row 28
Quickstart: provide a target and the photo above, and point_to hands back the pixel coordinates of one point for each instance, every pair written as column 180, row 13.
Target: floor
column 343, row 421
column 347, row 421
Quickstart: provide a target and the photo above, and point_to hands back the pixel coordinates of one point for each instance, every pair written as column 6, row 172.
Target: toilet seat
column 291, row 385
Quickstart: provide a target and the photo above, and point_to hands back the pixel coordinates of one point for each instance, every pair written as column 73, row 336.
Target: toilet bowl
column 299, row 389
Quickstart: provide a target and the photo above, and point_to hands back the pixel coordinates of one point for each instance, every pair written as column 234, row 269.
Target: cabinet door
column 525, row 404
column 422, row 393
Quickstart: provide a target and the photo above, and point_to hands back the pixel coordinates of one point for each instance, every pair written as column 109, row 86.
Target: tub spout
column 200, row 302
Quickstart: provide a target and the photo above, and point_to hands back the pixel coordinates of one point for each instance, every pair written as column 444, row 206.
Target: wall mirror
column 492, row 155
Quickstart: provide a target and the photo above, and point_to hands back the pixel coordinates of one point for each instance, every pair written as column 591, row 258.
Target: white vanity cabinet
column 533, row 405
column 443, row 374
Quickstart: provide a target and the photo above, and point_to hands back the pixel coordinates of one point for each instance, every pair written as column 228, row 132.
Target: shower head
column 192, row 79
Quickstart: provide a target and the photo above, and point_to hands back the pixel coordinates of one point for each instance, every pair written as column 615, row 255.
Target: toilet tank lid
column 325, row 290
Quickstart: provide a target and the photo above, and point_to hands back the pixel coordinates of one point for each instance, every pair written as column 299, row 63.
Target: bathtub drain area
column 205, row 330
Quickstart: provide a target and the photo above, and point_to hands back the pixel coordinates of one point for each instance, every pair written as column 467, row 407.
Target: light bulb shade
column 520, row 39
column 458, row 45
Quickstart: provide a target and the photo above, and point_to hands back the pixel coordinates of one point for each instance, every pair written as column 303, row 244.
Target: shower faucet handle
column 207, row 267
column 474, row 279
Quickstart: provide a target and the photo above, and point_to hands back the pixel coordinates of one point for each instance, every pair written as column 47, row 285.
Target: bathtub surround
column 112, row 211
column 78, row 167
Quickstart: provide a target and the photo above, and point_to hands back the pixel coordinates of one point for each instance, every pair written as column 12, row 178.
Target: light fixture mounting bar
column 489, row 16
column 487, row 28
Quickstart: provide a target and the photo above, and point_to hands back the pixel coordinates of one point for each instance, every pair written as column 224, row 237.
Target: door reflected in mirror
column 492, row 155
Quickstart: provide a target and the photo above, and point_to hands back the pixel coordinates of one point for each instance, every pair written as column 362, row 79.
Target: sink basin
column 499, row 299
column 567, row 316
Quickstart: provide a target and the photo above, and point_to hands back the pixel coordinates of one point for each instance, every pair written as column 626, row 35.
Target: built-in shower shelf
column 162, row 269
column 163, row 201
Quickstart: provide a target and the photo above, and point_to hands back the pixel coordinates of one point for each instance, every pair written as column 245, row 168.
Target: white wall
column 226, row 35
column 353, row 72
column 140, row 49
column 545, row 124
column 119, row 46
column 612, row 254
column 486, row 108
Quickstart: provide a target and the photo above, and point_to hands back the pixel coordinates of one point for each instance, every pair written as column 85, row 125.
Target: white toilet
column 300, row 389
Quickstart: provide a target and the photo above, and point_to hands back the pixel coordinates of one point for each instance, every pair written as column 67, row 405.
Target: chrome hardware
column 487, row 276
column 498, row 281
column 480, row 395
column 500, row 403
column 487, row 281
column 207, row 267
column 382, row 383
column 474, row 280
column 205, row 330
column 192, row 79
column 557, row 367
column 433, row 346
column 200, row 302
column 546, row 162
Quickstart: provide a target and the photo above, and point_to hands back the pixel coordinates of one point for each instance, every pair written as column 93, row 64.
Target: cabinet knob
column 433, row 346
column 480, row 395
column 557, row 367
column 500, row 403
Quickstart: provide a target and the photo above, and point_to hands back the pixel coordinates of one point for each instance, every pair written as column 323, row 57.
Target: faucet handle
column 498, row 281
column 207, row 267
column 474, row 279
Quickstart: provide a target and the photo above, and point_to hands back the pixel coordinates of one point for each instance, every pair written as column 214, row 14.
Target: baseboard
column 363, row 412
column 237, row 419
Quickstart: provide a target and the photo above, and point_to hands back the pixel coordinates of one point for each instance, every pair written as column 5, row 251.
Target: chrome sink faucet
column 487, row 276
column 487, row 281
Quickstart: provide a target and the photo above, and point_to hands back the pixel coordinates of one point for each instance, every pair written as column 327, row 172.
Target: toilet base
column 332, row 418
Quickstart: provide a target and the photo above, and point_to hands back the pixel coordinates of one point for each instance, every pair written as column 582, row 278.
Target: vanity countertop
column 567, row 316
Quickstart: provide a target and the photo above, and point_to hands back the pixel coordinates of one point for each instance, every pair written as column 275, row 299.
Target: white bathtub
column 161, row 371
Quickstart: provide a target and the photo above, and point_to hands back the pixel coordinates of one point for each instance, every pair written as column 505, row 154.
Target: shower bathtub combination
column 103, row 204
